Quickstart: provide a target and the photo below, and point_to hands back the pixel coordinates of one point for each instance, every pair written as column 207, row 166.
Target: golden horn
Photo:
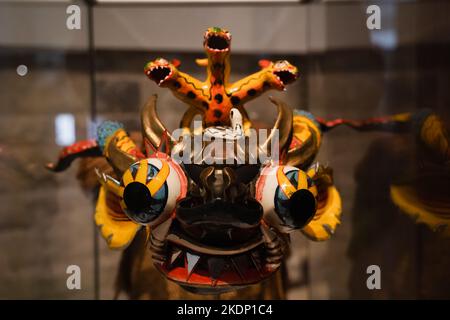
column 283, row 124
column 186, row 121
column 119, row 159
column 152, row 127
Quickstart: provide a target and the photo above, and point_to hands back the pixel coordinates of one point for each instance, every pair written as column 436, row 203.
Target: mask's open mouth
column 219, row 223
column 159, row 74
column 285, row 76
column 217, row 42
column 216, row 247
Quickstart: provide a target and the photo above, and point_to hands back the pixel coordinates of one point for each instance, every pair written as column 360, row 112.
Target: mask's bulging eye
column 151, row 189
column 288, row 196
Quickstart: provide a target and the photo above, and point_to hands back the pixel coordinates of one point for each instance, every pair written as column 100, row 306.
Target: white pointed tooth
column 175, row 256
column 192, row 261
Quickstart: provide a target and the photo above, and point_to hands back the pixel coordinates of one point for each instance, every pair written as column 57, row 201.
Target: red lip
column 208, row 273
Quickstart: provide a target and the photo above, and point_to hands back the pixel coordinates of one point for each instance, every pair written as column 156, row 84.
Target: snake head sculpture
column 161, row 71
column 217, row 40
column 214, row 97
column 282, row 73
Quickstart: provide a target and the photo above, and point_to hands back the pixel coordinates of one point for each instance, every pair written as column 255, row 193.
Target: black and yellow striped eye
column 149, row 189
column 145, row 190
column 294, row 202
column 288, row 196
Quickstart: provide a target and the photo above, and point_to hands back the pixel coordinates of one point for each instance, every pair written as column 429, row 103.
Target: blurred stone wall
column 45, row 220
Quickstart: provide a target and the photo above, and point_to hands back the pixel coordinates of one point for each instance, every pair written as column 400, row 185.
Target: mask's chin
column 215, row 247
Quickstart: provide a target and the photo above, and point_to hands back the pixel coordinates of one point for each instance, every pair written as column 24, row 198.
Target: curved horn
column 119, row 159
column 283, row 124
column 187, row 118
column 152, row 127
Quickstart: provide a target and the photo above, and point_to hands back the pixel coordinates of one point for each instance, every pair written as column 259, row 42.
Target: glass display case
column 68, row 66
